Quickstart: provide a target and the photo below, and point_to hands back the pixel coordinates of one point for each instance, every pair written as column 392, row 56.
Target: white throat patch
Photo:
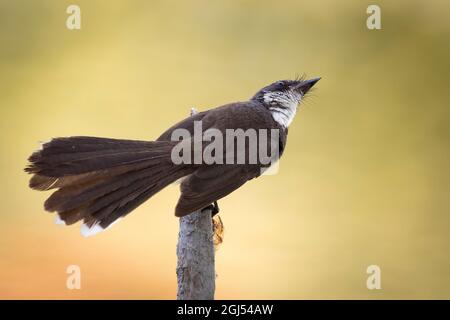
column 283, row 106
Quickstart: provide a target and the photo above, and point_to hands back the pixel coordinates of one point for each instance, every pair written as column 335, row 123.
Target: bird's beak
column 305, row 86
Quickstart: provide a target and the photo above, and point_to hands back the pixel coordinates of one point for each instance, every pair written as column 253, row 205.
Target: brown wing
column 187, row 124
column 210, row 183
column 243, row 115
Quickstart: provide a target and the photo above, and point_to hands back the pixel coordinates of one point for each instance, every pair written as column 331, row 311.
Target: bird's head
column 283, row 97
column 284, row 92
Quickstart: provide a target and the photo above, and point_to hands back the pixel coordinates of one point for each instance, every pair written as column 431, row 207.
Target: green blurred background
column 364, row 179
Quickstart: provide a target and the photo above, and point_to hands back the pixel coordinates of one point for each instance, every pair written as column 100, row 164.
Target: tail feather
column 57, row 166
column 72, row 196
column 78, row 144
column 43, row 183
column 101, row 180
column 66, row 156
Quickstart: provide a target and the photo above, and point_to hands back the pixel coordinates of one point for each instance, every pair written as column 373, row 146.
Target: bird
column 98, row 181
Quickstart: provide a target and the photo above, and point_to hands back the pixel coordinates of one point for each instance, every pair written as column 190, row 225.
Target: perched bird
column 100, row 180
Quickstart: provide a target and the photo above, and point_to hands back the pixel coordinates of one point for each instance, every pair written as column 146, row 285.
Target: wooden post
column 195, row 251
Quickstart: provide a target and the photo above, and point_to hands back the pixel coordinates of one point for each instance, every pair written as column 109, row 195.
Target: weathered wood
column 195, row 251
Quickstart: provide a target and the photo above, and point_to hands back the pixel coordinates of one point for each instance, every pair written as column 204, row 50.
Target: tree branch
column 195, row 251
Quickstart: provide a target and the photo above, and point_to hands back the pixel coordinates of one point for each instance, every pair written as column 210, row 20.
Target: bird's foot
column 214, row 207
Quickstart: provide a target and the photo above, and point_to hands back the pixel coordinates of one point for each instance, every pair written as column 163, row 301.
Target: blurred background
column 364, row 179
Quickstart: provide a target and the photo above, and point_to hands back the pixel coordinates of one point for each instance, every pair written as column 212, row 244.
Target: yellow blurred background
column 364, row 179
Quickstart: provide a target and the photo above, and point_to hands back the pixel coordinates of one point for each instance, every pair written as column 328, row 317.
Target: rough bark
column 195, row 251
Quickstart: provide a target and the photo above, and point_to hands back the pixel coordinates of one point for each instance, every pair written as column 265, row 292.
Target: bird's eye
column 280, row 83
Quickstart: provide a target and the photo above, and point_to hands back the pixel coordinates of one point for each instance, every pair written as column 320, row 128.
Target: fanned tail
column 101, row 180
